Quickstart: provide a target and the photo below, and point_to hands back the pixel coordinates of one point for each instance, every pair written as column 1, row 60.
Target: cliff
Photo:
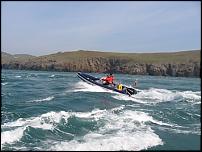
column 183, row 64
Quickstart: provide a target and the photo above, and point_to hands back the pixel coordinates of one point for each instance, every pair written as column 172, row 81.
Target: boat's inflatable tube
column 114, row 87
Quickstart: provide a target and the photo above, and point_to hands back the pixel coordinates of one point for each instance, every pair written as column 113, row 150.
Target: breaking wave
column 52, row 76
column 122, row 130
column 45, row 99
column 18, row 76
column 4, row 83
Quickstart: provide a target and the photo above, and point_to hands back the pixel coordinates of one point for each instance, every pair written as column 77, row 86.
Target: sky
column 46, row 27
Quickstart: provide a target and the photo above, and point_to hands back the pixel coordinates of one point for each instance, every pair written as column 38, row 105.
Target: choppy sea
column 57, row 111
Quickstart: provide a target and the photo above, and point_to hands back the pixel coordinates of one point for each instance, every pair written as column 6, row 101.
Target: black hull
column 96, row 81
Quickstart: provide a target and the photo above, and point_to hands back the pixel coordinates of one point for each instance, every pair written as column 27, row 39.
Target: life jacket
column 120, row 87
column 109, row 79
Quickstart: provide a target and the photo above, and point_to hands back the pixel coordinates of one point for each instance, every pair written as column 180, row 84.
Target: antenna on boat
column 135, row 83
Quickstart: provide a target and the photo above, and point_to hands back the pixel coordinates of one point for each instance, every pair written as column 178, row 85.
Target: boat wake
column 147, row 96
column 154, row 96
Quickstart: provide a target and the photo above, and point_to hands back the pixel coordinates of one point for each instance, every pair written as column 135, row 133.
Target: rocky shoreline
column 102, row 65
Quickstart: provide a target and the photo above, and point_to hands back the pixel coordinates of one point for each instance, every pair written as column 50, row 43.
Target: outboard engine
column 131, row 91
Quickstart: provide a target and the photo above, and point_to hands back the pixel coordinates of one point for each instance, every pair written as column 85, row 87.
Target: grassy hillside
column 175, row 57
column 6, row 57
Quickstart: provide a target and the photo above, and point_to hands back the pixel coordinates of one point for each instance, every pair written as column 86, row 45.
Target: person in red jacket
column 108, row 80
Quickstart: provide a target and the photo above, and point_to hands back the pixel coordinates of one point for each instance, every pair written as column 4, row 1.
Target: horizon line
column 109, row 51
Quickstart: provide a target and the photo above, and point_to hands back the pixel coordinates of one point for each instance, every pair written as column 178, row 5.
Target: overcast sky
column 40, row 28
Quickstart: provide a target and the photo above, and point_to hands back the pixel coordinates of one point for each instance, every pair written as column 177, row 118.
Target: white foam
column 182, row 130
column 127, row 98
column 95, row 114
column 186, row 131
column 150, row 96
column 197, row 115
column 32, row 75
column 191, row 96
column 118, row 108
column 4, row 83
column 119, row 133
column 45, row 99
column 83, row 86
column 98, row 142
column 46, row 121
column 154, row 96
column 11, row 136
column 18, row 76
column 123, row 131
column 52, row 76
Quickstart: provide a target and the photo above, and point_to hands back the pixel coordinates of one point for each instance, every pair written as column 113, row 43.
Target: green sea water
column 57, row 111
